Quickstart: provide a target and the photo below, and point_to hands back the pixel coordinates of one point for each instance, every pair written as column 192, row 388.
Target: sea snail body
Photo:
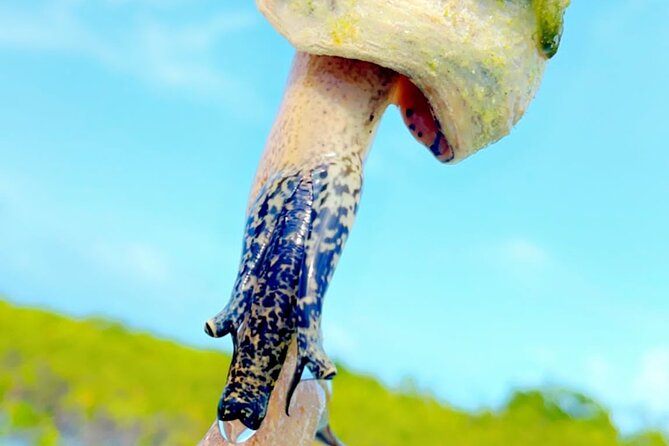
column 462, row 73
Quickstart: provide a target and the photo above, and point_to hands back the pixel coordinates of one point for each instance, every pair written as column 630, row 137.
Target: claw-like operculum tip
column 297, row 376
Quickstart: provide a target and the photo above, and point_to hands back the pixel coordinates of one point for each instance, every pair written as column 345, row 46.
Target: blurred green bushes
column 71, row 382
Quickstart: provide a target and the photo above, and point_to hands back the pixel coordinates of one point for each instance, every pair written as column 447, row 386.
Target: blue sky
column 130, row 132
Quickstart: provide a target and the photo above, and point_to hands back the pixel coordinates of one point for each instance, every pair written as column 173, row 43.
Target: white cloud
column 148, row 262
column 638, row 393
column 147, row 46
column 9, row 190
column 136, row 260
column 514, row 253
column 33, row 227
column 601, row 377
column 339, row 340
column 615, row 20
column 524, row 252
column 651, row 386
column 524, row 261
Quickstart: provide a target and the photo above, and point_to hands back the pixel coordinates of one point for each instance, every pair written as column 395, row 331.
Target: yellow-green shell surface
column 479, row 62
column 550, row 17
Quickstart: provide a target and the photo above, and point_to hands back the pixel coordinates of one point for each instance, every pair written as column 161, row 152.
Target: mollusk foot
column 421, row 121
column 295, row 233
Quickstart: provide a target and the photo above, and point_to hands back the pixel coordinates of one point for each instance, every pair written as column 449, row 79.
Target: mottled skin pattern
column 302, row 208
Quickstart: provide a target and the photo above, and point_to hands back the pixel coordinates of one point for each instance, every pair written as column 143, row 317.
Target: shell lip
column 445, row 157
column 478, row 78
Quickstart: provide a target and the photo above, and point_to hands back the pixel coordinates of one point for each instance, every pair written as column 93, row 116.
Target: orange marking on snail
column 419, row 118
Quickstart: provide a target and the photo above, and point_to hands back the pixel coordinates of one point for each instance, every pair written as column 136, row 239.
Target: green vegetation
column 85, row 382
